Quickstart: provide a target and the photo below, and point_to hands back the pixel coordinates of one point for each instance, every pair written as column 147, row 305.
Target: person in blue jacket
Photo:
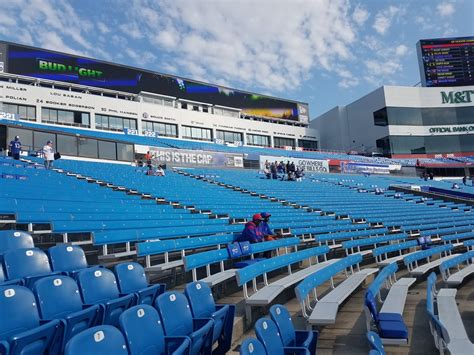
column 252, row 232
column 15, row 148
column 265, row 229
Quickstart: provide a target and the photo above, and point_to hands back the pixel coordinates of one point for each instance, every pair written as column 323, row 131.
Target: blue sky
column 324, row 52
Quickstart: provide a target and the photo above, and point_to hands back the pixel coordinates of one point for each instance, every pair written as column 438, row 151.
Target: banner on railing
column 196, row 158
column 309, row 165
column 365, row 168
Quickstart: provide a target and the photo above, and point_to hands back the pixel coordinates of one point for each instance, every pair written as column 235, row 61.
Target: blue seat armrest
column 177, row 345
column 293, row 350
column 115, row 307
column 203, row 328
column 4, row 348
column 81, row 320
column 149, row 294
column 46, row 337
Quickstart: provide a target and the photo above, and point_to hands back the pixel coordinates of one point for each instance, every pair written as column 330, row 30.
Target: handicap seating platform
column 325, row 310
column 457, row 277
column 411, row 261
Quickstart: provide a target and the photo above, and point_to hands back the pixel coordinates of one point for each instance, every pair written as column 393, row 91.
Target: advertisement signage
column 365, row 168
column 89, row 72
column 195, row 158
column 309, row 165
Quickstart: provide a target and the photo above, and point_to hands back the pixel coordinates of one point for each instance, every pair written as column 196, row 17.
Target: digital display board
column 50, row 65
column 446, row 61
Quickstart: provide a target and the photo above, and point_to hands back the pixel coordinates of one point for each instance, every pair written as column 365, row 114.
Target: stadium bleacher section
column 338, row 234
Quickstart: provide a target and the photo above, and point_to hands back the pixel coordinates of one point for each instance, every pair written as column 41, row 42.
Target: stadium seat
column 143, row 331
column 27, row 264
column 59, row 298
column 98, row 286
column 100, row 340
column 3, row 278
column 202, row 304
column 20, row 324
column 67, row 258
column 267, row 333
column 252, row 346
column 131, row 279
column 375, row 343
column 289, row 336
column 11, row 239
column 178, row 321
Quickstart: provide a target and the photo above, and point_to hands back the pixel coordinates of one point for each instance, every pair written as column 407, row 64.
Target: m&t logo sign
column 456, row 97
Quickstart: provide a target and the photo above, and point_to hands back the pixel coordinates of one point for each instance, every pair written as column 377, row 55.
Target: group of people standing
column 48, row 152
column 282, row 171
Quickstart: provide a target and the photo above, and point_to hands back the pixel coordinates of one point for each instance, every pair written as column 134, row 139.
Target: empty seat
column 20, row 325
column 202, row 304
column 67, row 258
column 289, row 336
column 59, row 298
column 100, row 340
column 252, row 346
column 4, row 281
column 98, row 286
column 11, row 239
column 27, row 264
column 375, row 343
column 131, row 279
column 178, row 321
column 267, row 332
column 143, row 331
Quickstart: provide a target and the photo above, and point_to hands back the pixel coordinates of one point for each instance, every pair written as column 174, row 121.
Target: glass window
column 282, row 142
column 429, row 116
column 380, row 117
column 41, row 138
column 88, row 148
column 124, row 152
column 308, row 144
column 23, row 111
column 197, row 133
column 107, row 150
column 66, row 145
column 85, row 118
column 31, row 113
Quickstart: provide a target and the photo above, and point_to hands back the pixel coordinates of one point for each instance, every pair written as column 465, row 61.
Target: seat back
column 375, row 342
column 200, row 298
column 103, row 339
column 97, row 285
column 18, row 310
column 234, row 250
column 371, row 304
column 267, row 332
column 143, row 330
column 252, row 346
column 282, row 319
column 67, row 258
column 175, row 313
column 2, row 274
column 130, row 277
column 10, row 240
column 20, row 263
column 57, row 296
column 430, row 293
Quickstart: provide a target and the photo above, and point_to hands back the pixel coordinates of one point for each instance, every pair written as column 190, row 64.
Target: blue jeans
column 48, row 164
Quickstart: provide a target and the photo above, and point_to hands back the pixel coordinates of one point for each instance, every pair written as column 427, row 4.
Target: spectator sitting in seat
column 251, row 232
column 455, row 186
column 267, row 172
column 299, row 174
column 265, row 229
column 15, row 148
column 160, row 171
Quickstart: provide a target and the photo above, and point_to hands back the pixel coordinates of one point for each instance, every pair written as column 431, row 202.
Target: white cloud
column 445, row 9
column 360, row 15
column 103, row 28
column 385, row 18
column 401, row 50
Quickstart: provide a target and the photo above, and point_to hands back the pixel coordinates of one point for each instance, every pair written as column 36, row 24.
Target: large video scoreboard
column 39, row 63
column 446, row 61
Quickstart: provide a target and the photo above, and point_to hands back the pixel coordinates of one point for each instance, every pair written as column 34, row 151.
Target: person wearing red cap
column 265, row 229
column 251, row 232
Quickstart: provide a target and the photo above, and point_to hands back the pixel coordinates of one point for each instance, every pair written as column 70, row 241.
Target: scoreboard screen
column 446, row 61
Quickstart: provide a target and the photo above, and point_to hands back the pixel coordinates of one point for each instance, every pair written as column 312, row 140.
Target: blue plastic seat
column 178, row 321
column 252, row 346
column 20, row 325
column 59, row 298
column 12, row 239
column 27, row 264
column 375, row 343
column 202, row 304
column 100, row 340
column 267, row 332
column 98, row 286
column 131, row 279
column 67, row 258
column 141, row 325
column 3, row 278
column 390, row 325
column 289, row 336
